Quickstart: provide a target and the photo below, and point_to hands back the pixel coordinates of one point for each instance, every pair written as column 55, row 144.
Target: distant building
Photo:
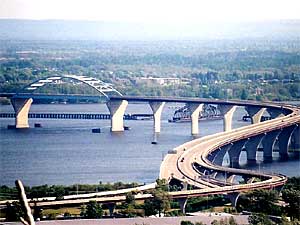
column 259, row 91
column 161, row 81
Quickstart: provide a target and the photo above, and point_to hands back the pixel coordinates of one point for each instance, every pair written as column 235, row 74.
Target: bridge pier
column 295, row 145
column 218, row 160
column 233, row 197
column 117, row 109
column 182, row 203
column 235, row 151
column 230, row 179
column 251, row 148
column 21, row 107
column 268, row 144
column 111, row 207
column 157, row 108
column 283, row 141
column 227, row 111
column 255, row 112
column 195, row 110
column 184, row 186
column 274, row 112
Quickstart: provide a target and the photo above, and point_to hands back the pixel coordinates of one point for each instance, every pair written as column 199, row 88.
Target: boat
column 209, row 112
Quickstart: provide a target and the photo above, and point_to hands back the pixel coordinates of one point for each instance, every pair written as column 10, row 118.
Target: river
column 67, row 152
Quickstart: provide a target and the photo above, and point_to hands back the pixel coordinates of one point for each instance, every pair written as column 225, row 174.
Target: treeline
column 60, row 190
column 224, row 71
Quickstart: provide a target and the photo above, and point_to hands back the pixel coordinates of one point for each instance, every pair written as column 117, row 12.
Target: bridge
column 199, row 163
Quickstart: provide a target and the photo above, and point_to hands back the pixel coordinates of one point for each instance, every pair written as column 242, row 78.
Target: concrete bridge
column 198, row 163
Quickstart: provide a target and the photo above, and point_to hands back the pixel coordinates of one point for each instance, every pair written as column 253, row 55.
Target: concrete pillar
column 255, row 112
column 233, row 197
column 227, row 111
column 218, row 160
column 214, row 175
column 195, row 109
column 250, row 180
column 117, row 109
column 235, row 151
column 184, row 186
column 182, row 203
column 230, row 179
column 21, row 107
column 111, row 207
column 275, row 112
column 296, row 139
column 157, row 108
column 268, row 144
column 283, row 141
column 251, row 147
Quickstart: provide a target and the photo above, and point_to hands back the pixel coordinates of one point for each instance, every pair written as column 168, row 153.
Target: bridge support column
column 230, row 179
column 117, row 110
column 251, row 148
column 195, row 109
column 268, row 144
column 184, row 186
column 296, row 139
column 111, row 207
column 227, row 111
column 274, row 112
column 250, row 180
column 255, row 113
column 157, row 108
column 182, row 203
column 235, row 151
column 233, row 197
column 283, row 141
column 218, row 160
column 21, row 107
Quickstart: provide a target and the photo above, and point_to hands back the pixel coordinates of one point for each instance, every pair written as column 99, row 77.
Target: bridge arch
column 100, row 86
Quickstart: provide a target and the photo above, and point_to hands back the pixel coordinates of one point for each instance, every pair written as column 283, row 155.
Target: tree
column 161, row 201
column 244, row 94
column 259, row 219
column 292, row 197
column 186, row 222
column 93, row 210
column 149, row 208
column 260, row 201
column 14, row 211
column 130, row 199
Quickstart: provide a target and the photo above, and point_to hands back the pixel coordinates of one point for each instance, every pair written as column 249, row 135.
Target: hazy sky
column 152, row 11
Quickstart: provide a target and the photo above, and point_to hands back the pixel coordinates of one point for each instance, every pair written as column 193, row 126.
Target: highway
column 180, row 165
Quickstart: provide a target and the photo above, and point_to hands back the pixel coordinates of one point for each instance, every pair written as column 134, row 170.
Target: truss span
column 103, row 88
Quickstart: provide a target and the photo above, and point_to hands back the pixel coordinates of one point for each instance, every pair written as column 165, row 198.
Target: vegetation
column 92, row 210
column 265, row 206
column 260, row 201
column 160, row 203
column 59, row 191
column 248, row 69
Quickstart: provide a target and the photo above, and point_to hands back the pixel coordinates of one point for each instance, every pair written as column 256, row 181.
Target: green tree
column 260, row 201
column 161, row 201
column 93, row 210
column 186, row 222
column 13, row 211
column 130, row 199
column 292, row 197
column 149, row 208
column 259, row 219
column 244, row 94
